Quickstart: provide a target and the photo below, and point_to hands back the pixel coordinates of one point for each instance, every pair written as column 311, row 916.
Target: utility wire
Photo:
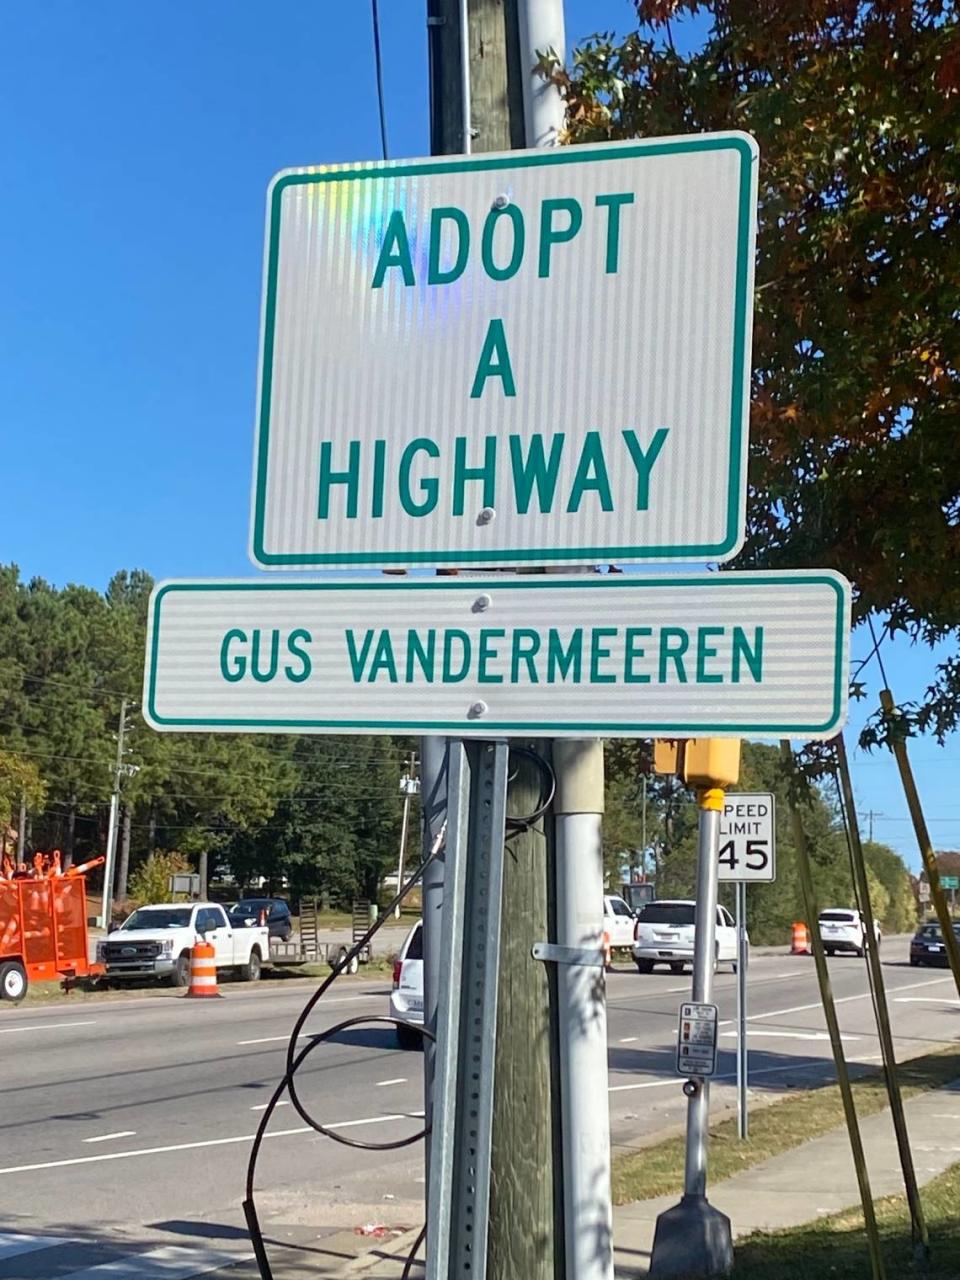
column 378, row 60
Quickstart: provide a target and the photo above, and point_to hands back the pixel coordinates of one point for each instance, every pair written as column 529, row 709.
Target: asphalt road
column 126, row 1125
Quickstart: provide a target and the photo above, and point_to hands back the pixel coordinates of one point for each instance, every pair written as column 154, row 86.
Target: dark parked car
column 248, row 910
column 927, row 945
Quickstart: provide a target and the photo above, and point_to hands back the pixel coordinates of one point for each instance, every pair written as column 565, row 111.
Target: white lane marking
column 628, row 1039
column 925, row 1000
column 262, row 1106
column 792, row 1035
column 382, row 1084
column 863, row 995
column 45, row 1026
column 12, row 1243
column 265, row 1039
column 106, row 1137
column 171, row 1262
column 195, row 1146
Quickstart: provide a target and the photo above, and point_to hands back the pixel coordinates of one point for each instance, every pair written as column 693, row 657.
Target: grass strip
column 834, row 1248
column 658, row 1169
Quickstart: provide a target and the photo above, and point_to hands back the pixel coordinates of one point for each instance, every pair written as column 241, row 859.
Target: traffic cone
column 607, row 952
column 203, row 971
column 800, row 940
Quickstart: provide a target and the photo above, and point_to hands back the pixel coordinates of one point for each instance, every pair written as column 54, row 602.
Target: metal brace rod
column 551, row 953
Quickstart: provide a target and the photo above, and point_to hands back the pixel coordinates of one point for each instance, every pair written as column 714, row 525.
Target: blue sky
column 137, row 143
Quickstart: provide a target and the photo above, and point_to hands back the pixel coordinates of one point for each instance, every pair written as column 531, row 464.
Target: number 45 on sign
column 747, row 839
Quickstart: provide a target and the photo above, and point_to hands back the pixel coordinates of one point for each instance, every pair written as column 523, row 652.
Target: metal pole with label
column 704, row 959
column 743, row 1066
column 747, row 855
column 693, row 1238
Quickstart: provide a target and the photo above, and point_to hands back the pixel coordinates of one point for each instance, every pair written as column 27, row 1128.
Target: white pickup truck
column 155, row 942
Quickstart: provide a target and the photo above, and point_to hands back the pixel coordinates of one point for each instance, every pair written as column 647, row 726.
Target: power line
column 378, row 61
column 73, row 684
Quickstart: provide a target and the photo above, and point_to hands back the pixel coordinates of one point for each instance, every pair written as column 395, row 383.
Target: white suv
column 664, row 935
column 406, row 998
column 843, row 929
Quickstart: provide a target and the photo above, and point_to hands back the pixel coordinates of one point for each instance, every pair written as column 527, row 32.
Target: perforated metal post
column 459, row 1189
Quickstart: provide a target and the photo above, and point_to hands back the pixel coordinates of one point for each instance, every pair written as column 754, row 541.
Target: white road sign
column 735, row 654
column 747, row 838
column 697, row 1040
column 529, row 357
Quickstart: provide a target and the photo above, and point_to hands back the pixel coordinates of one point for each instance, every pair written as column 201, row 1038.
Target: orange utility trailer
column 43, row 925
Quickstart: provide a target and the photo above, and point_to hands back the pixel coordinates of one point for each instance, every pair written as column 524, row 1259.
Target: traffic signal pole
column 694, row 1239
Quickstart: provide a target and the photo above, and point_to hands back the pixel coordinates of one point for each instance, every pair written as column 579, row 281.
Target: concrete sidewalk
column 808, row 1182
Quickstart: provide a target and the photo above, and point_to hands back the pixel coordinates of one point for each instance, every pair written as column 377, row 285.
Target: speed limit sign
column 747, row 839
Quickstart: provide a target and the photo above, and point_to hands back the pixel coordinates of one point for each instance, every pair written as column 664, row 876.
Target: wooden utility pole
column 525, row 1236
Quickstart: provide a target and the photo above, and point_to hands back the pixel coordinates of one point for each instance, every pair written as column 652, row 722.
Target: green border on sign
column 563, row 155
column 605, row 582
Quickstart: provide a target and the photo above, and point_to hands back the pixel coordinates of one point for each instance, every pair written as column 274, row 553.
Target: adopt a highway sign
column 534, row 357
column 725, row 654
column 747, row 846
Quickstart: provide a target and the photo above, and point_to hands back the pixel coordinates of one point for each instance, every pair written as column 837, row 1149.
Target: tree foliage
column 855, row 447
column 321, row 815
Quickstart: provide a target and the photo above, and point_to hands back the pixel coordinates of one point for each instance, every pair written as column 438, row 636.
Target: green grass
column 835, row 1248
column 658, row 1170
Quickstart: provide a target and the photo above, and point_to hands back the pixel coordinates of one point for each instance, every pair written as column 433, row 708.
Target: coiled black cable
column 295, row 1058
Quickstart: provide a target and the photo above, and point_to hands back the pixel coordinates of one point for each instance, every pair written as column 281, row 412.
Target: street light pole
column 111, row 855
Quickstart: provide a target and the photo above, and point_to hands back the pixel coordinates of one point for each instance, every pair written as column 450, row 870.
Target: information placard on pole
column 697, row 1040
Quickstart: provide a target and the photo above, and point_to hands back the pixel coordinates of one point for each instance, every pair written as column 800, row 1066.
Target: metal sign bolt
column 478, row 709
column 501, row 202
column 482, row 603
column 486, row 515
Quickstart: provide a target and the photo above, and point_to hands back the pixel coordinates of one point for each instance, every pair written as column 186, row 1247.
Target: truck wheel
column 645, row 966
column 676, row 966
column 181, row 971
column 354, row 964
column 250, row 972
column 13, row 981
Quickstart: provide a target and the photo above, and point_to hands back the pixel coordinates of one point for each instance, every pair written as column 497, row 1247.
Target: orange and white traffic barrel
column 203, row 971
column 607, row 951
column 800, row 940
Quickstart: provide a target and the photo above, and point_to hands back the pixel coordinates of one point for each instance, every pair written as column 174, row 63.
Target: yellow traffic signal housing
column 711, row 762
column 667, row 755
